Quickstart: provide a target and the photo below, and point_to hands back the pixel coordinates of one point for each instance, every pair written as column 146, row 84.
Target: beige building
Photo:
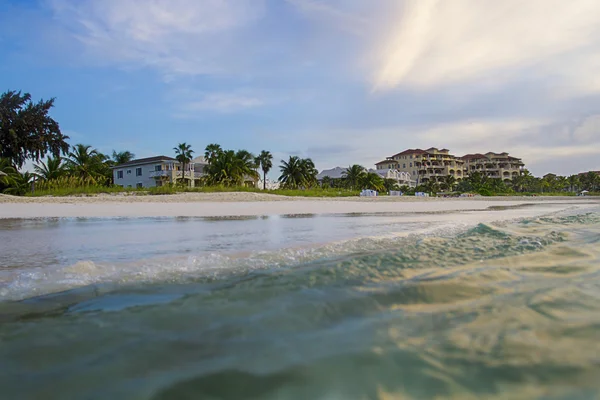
column 425, row 165
column 494, row 165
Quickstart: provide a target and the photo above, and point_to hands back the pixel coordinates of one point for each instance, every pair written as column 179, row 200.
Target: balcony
column 174, row 174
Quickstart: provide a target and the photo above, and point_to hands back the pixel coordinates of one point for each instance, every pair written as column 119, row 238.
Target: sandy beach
column 248, row 204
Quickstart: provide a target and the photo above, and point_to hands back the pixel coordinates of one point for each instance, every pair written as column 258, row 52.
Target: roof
column 148, row 160
column 585, row 173
column 386, row 162
column 472, row 156
column 410, row 151
column 334, row 173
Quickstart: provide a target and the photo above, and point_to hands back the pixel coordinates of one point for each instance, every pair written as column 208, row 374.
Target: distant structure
column 494, row 165
column 435, row 164
column 425, row 165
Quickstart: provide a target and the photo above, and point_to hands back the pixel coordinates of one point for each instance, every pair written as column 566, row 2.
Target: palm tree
column 353, row 175
column 573, row 182
column 390, row 184
column 309, row 172
column 245, row 166
column 448, row 183
column 231, row 168
column 265, row 162
column 85, row 162
column 54, row 168
column 122, row 157
column 19, row 183
column 212, row 151
column 291, row 173
column 183, row 154
column 373, row 181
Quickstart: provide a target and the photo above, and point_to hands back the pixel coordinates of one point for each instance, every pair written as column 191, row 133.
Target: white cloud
column 437, row 42
column 175, row 36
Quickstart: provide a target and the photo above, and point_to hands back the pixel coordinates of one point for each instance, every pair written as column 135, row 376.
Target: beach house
column 158, row 171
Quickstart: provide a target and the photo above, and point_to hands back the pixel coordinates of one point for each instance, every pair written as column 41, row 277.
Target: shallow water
column 303, row 307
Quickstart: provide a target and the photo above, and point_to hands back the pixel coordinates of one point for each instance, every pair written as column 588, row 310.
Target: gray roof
column 147, row 160
column 334, row 173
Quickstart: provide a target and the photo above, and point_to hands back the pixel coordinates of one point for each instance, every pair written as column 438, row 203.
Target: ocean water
column 495, row 304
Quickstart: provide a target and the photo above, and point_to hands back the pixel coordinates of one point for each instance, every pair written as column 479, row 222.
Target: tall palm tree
column 183, row 154
column 212, row 151
column 122, row 157
column 353, row 175
column 54, row 168
column 265, row 162
column 291, row 173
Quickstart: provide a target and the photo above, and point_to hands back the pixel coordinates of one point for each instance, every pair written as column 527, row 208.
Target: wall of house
column 131, row 180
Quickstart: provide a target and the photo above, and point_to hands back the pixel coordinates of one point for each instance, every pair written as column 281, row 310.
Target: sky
column 341, row 81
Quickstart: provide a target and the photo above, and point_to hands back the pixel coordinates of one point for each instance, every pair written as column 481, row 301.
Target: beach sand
column 250, row 204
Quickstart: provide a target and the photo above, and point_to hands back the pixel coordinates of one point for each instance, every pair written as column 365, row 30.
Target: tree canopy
column 26, row 129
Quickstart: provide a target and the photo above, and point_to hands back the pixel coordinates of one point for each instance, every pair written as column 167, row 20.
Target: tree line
column 27, row 132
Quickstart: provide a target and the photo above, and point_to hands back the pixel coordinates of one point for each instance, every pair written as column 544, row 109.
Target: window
column 403, row 165
column 128, row 172
column 411, row 156
column 157, row 168
column 410, row 165
column 138, row 171
column 119, row 174
column 139, row 185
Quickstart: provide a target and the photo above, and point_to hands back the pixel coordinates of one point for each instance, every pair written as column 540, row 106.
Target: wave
column 440, row 247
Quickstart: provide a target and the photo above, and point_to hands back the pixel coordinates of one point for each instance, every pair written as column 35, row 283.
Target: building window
column 410, row 164
column 138, row 171
column 139, row 185
column 403, row 165
column 128, row 172
column 157, row 168
column 411, row 156
column 119, row 174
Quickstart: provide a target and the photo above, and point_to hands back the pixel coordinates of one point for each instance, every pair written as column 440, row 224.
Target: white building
column 401, row 178
column 157, row 171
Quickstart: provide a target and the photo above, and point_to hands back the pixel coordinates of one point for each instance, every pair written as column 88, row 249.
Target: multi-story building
column 494, row 165
column 425, row 165
column 157, row 171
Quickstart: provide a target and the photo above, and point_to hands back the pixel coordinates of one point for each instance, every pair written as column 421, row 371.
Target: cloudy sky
column 341, row 81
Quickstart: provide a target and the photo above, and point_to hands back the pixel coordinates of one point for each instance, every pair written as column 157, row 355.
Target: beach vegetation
column 27, row 132
column 264, row 161
column 183, row 154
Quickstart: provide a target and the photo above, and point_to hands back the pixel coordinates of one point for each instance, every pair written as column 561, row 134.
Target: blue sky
column 341, row 81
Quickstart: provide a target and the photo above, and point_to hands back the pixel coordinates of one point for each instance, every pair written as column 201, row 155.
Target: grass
column 167, row 190
column 90, row 190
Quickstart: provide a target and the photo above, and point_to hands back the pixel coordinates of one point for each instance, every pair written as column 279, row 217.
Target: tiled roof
column 473, row 156
column 148, row 160
column 410, row 151
column 386, row 162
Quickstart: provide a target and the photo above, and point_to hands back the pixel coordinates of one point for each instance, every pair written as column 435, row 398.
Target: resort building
column 424, row 165
column 157, row 171
column 494, row 165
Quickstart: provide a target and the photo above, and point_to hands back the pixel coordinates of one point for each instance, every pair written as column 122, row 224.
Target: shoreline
column 254, row 204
